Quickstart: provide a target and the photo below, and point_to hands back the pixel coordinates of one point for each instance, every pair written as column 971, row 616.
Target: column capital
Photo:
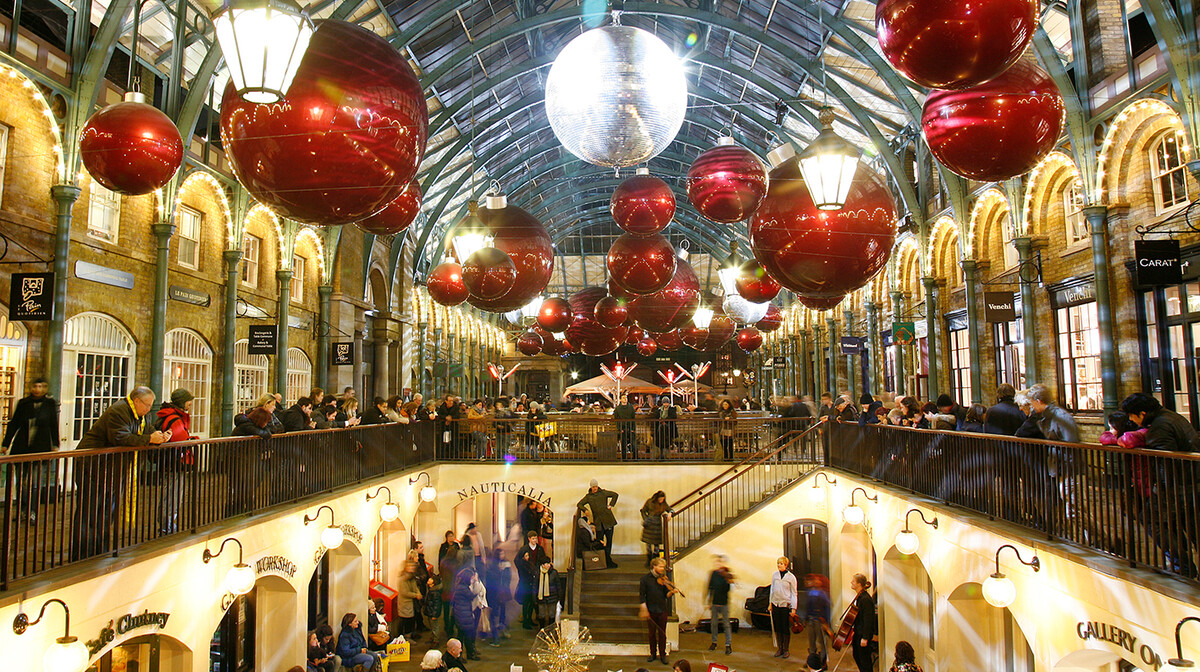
column 929, row 282
column 68, row 193
column 232, row 256
column 325, row 291
column 871, row 306
column 1096, row 216
column 284, row 275
column 1194, row 167
column 968, row 267
column 163, row 229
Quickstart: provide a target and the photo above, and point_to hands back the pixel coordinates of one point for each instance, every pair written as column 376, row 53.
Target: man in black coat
column 33, row 428
column 947, row 406
column 529, row 561
column 296, row 418
column 1005, row 417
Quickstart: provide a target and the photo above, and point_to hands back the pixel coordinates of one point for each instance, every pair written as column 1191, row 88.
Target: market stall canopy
column 604, row 385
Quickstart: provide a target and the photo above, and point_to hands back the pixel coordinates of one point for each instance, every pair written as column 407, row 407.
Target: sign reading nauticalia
column 504, row 488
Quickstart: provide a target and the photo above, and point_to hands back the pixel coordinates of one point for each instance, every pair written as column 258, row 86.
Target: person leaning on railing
column 32, row 429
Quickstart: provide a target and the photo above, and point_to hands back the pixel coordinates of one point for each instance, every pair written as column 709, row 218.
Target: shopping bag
column 593, row 560
column 398, row 652
column 545, row 429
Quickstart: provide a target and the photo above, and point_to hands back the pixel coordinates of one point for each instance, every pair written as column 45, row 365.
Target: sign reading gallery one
column 504, row 488
column 1107, row 632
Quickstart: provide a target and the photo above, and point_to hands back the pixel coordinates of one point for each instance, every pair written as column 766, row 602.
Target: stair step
column 600, row 610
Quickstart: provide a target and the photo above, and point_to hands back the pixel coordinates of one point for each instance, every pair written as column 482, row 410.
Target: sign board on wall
column 343, row 353
column 192, row 296
column 1157, row 262
column 31, row 298
column 999, row 307
column 851, row 345
column 103, row 275
column 263, row 339
column 904, row 333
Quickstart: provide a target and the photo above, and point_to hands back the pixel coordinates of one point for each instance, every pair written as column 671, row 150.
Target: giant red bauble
column 670, row 340
column 131, row 148
column 643, row 205
column 749, row 339
column 952, row 44
column 523, row 238
column 646, row 346
column 585, row 333
column 670, row 307
column 488, row 273
column 445, row 284
column 346, row 139
column 817, row 252
column 997, row 130
column 755, row 285
column 641, row 264
column 553, row 347
column 693, row 336
column 772, row 321
column 611, row 312
column 720, row 330
column 529, row 343
column 820, row 302
column 555, row 315
column 727, row 183
column 635, row 334
column 397, row 215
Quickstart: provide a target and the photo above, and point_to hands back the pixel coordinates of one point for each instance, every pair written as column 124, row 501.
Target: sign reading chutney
column 503, row 488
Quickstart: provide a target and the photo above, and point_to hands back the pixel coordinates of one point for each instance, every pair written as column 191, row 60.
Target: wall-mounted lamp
column 67, row 654
column 428, row 493
column 816, row 494
column 854, row 513
column 389, row 511
column 1179, row 663
column 239, row 580
column 332, row 536
column 998, row 589
column 906, row 540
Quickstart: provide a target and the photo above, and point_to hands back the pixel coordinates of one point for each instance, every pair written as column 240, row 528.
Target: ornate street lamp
column 998, row 589
column 239, row 580
column 907, row 541
column 263, row 42
column 828, row 165
column 67, row 653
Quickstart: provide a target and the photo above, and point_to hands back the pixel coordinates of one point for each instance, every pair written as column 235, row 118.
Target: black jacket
column 246, row 427
column 294, row 419
column 1169, row 430
column 868, row 417
column 33, row 427
column 1004, row 418
column 865, row 624
column 374, row 417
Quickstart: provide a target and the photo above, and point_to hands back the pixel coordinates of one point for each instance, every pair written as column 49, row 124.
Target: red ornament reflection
column 445, row 284
column 727, row 183
column 755, row 285
column 611, row 312
column 523, row 238
column 585, row 333
column 646, row 346
column 670, row 340
column 772, row 321
column 670, row 307
column 346, row 139
column 997, row 130
column 819, row 302
column 397, row 215
column 643, row 205
column 552, row 346
column 952, row 44
column 749, row 339
column 823, row 253
column 529, row 344
column 694, row 337
column 641, row 264
column 131, row 148
column 720, row 331
column 635, row 334
column 555, row 315
column 488, row 273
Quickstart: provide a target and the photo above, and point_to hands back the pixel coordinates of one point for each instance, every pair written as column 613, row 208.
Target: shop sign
column 192, row 296
column 299, row 323
column 343, row 353
column 125, row 624
column 353, row 534
column 956, row 322
column 999, row 307
column 904, row 333
column 31, row 298
column 921, row 330
column 103, row 275
column 275, row 564
column 263, row 339
column 1107, row 632
column 779, row 363
column 1157, row 262
column 504, row 487
column 1073, row 294
column 851, row 345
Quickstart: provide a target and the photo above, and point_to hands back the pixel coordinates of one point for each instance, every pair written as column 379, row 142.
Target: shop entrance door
column 806, row 544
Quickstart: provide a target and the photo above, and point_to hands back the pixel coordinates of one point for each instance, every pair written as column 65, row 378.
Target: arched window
column 1167, row 173
column 97, row 370
column 188, row 364
column 299, row 375
column 1006, row 244
column 250, row 373
column 13, row 343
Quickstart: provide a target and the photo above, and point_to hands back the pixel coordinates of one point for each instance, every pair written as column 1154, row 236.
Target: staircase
column 608, row 601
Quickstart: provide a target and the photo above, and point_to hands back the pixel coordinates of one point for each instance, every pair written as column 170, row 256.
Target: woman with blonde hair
column 785, row 597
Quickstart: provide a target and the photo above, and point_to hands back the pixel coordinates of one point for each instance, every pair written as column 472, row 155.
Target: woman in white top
column 784, row 598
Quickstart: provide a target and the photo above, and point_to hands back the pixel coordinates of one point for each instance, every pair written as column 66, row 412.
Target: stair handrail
column 573, row 581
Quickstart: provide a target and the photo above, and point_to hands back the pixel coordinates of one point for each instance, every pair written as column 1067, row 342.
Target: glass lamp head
column 828, row 166
column 907, row 542
column 332, row 537
column 239, row 580
column 67, row 654
column 702, row 318
column 816, row 494
column 389, row 512
column 428, row 493
column 854, row 514
column 999, row 590
column 263, row 42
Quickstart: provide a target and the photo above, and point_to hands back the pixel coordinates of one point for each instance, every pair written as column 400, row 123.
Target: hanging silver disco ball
column 616, row 96
column 742, row 311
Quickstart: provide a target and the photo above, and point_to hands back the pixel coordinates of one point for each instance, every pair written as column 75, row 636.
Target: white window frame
column 1078, row 331
column 104, row 214
column 251, row 254
column 299, row 375
column 1074, row 223
column 960, row 364
column 1160, row 173
column 98, row 370
column 296, row 290
column 251, row 375
column 187, row 363
column 1011, row 258
column 189, row 223
column 14, row 341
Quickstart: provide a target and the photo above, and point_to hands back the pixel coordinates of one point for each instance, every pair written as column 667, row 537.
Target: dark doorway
column 806, row 544
column 318, row 595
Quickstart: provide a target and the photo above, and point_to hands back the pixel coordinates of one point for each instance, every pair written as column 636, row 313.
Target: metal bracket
column 4, row 253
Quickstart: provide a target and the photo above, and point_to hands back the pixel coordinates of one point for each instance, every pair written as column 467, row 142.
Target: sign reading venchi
column 504, row 488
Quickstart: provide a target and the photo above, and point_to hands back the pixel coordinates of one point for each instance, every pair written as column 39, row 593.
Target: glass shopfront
column 1077, row 331
column 1169, row 325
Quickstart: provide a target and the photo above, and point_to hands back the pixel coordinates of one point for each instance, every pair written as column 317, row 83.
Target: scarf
column 140, row 418
column 543, row 584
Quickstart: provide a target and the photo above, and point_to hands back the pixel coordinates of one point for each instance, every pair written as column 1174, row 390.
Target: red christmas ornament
column 591, row 338
column 131, row 147
column 820, row 302
column 694, row 337
column 346, row 139
column 555, row 315
column 720, row 331
column 646, row 346
column 727, row 183
column 641, row 264
column 552, row 346
column 397, row 215
column 823, row 253
column 951, row 44
column 635, row 334
column 772, row 321
column 488, row 273
column 749, row 339
column 529, row 343
column 997, row 130
column 445, row 284
column 523, row 238
column 611, row 312
column 670, row 307
column 643, row 205
column 670, row 340
column 754, row 285
column 569, row 348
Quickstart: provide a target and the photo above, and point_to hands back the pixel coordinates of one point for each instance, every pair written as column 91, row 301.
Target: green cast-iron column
column 969, row 272
column 228, row 385
column 323, row 336
column 284, row 277
column 1026, row 276
column 158, row 325
column 931, row 328
column 1097, row 219
column 873, row 348
column 831, row 339
column 806, row 357
column 851, row 374
column 820, row 368
column 64, row 196
column 897, row 314
column 422, row 382
column 437, row 357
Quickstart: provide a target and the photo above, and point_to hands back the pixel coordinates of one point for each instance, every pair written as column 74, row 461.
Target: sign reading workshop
column 31, row 298
column 263, row 339
column 999, row 307
column 1157, row 262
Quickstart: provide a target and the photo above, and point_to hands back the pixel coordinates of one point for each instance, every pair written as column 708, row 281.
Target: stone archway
column 906, row 606
column 974, row 635
column 1096, row 660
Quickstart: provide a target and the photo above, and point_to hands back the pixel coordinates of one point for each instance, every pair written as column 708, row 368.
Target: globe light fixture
column 530, row 310
column 828, row 165
column 1179, row 663
column 616, row 95
column 428, row 493
column 816, row 494
column 67, row 653
column 702, row 318
column 998, row 589
column 263, row 42
column 240, row 578
column 389, row 511
column 470, row 235
column 907, row 541
column 854, row 514
column 332, row 536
